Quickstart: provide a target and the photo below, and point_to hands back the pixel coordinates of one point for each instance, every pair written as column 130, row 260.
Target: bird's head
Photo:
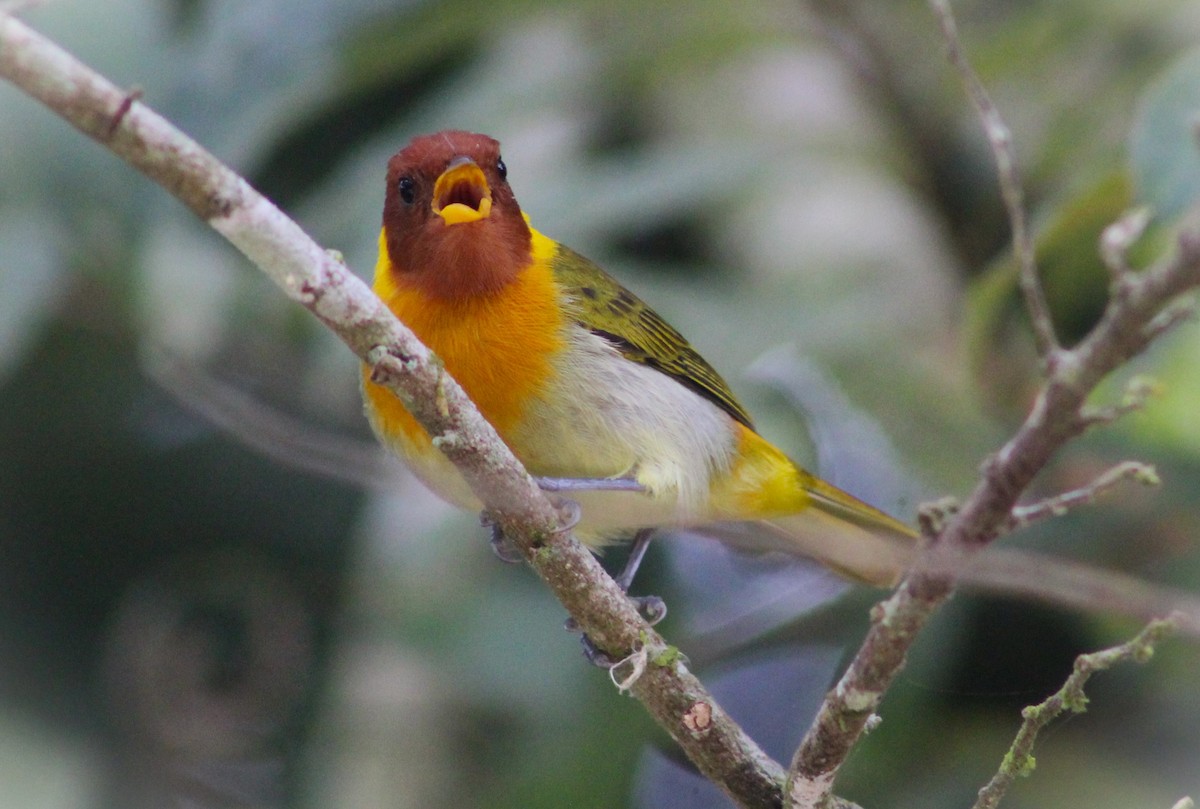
column 451, row 223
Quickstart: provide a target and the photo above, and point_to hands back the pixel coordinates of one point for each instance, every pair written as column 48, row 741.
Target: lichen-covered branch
column 320, row 282
column 1019, row 761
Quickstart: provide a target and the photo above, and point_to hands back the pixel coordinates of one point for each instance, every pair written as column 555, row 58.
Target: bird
column 594, row 392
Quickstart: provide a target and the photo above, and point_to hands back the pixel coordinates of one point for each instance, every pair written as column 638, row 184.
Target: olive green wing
column 607, row 309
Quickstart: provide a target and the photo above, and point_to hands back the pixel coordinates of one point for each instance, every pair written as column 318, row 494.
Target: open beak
column 461, row 193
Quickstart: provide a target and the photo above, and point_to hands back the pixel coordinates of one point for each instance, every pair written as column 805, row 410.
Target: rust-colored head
column 452, row 225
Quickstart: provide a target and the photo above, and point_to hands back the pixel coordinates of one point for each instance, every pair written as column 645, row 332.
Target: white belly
column 609, row 417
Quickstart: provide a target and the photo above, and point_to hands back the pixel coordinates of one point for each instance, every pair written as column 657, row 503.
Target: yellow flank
column 762, row 483
column 499, row 347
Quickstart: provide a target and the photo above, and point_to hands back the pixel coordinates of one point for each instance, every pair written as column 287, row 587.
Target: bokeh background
column 216, row 591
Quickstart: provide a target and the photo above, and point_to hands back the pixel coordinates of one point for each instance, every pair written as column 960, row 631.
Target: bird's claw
column 569, row 511
column 590, row 650
column 593, row 654
column 652, row 608
column 501, row 545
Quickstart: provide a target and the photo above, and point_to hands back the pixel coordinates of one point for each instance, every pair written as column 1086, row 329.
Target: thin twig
column 321, row 283
column 1138, row 391
column 1177, row 313
column 1019, row 760
column 999, row 138
column 1057, row 506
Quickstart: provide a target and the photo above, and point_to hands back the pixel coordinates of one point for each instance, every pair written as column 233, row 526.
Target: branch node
column 1117, row 238
column 932, row 516
column 448, row 441
column 439, row 396
column 857, row 700
column 698, row 717
column 386, row 366
column 134, row 94
column 1064, row 366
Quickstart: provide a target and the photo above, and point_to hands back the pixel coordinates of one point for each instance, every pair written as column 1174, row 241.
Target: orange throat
column 499, row 345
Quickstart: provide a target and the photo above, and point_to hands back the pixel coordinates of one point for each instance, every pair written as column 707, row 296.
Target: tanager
column 586, row 382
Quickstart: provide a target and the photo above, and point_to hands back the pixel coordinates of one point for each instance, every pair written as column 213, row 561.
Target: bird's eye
column 501, row 168
column 407, row 189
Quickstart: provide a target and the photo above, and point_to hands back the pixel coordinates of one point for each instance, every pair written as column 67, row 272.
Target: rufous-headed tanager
column 583, row 380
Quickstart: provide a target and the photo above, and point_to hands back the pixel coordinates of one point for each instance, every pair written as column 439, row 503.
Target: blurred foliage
column 800, row 187
column 1075, row 280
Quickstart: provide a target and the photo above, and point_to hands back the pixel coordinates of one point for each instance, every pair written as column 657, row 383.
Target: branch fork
column 1057, row 415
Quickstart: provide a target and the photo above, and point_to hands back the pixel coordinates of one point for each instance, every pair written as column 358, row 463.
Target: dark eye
column 500, row 167
column 407, row 189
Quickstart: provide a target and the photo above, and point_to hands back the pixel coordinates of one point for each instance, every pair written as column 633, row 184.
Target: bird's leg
column 652, row 608
column 589, row 485
column 637, row 552
column 504, row 549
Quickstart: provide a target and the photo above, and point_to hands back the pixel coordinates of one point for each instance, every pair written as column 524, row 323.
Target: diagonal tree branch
column 315, row 279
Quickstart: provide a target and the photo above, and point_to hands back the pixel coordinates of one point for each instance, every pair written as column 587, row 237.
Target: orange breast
column 499, row 347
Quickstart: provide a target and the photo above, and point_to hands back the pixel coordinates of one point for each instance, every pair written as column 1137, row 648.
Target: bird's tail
column 796, row 512
column 848, row 536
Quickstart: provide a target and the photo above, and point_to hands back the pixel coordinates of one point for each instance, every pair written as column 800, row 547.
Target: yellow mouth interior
column 461, row 194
